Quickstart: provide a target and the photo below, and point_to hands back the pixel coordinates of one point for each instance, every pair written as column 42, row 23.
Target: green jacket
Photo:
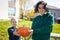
column 42, row 27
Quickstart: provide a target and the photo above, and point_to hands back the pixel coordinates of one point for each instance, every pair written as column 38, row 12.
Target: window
column 11, row 12
column 12, row 0
column 11, row 8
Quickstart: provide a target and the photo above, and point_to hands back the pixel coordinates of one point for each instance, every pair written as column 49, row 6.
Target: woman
column 42, row 23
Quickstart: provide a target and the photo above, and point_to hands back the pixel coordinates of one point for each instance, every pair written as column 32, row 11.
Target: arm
column 11, row 32
column 15, row 33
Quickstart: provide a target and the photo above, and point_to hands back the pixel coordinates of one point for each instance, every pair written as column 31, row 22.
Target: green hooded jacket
column 42, row 26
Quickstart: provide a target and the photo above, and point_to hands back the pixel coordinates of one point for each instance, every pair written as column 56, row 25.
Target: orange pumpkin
column 23, row 31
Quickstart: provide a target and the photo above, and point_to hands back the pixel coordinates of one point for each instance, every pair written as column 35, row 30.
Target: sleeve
column 10, row 32
column 47, row 28
column 35, row 23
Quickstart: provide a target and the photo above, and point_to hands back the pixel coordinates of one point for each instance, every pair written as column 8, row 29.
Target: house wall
column 9, row 6
column 56, row 12
column 3, row 9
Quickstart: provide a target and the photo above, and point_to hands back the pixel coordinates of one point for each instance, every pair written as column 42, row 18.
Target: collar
column 15, row 27
column 45, row 13
column 41, row 14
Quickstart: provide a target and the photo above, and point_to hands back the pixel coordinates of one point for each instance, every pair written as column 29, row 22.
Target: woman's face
column 41, row 8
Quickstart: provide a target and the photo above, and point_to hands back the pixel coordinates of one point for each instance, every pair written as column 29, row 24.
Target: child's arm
column 15, row 33
column 10, row 32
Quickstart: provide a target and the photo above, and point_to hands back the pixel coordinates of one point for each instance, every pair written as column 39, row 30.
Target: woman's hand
column 31, row 32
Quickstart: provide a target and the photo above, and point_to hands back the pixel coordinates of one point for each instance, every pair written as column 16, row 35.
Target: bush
column 4, row 25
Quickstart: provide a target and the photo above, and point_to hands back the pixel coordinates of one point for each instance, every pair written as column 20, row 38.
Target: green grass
column 56, row 28
column 4, row 25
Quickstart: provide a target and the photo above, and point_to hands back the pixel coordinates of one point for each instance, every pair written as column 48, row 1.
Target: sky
column 30, row 4
column 53, row 3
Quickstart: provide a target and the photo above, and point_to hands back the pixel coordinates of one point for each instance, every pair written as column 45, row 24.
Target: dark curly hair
column 37, row 5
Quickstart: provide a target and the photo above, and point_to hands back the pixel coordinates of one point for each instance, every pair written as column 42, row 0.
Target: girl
column 42, row 23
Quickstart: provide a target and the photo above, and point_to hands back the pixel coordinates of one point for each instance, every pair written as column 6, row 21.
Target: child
column 12, row 30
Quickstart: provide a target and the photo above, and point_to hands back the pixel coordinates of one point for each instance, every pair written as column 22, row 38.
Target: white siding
column 3, row 9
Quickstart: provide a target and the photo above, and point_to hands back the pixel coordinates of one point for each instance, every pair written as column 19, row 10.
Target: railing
column 55, row 36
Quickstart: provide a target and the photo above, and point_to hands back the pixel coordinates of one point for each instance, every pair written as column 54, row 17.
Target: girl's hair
column 37, row 5
column 14, row 18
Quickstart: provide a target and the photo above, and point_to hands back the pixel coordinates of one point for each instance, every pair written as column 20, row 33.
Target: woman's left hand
column 31, row 32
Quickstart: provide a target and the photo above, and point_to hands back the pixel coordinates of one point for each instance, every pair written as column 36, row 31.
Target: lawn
column 4, row 25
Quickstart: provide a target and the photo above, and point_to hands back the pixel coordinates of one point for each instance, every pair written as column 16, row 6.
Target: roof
column 52, row 7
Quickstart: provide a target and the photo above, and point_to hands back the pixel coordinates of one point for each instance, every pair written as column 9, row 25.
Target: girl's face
column 14, row 23
column 41, row 8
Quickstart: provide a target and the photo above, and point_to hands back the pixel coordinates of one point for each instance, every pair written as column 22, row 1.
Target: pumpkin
column 23, row 31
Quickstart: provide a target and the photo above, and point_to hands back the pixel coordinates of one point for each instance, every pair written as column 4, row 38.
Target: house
column 55, row 11
column 9, row 8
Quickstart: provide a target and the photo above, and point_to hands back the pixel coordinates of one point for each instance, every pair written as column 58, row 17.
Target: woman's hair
column 37, row 5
